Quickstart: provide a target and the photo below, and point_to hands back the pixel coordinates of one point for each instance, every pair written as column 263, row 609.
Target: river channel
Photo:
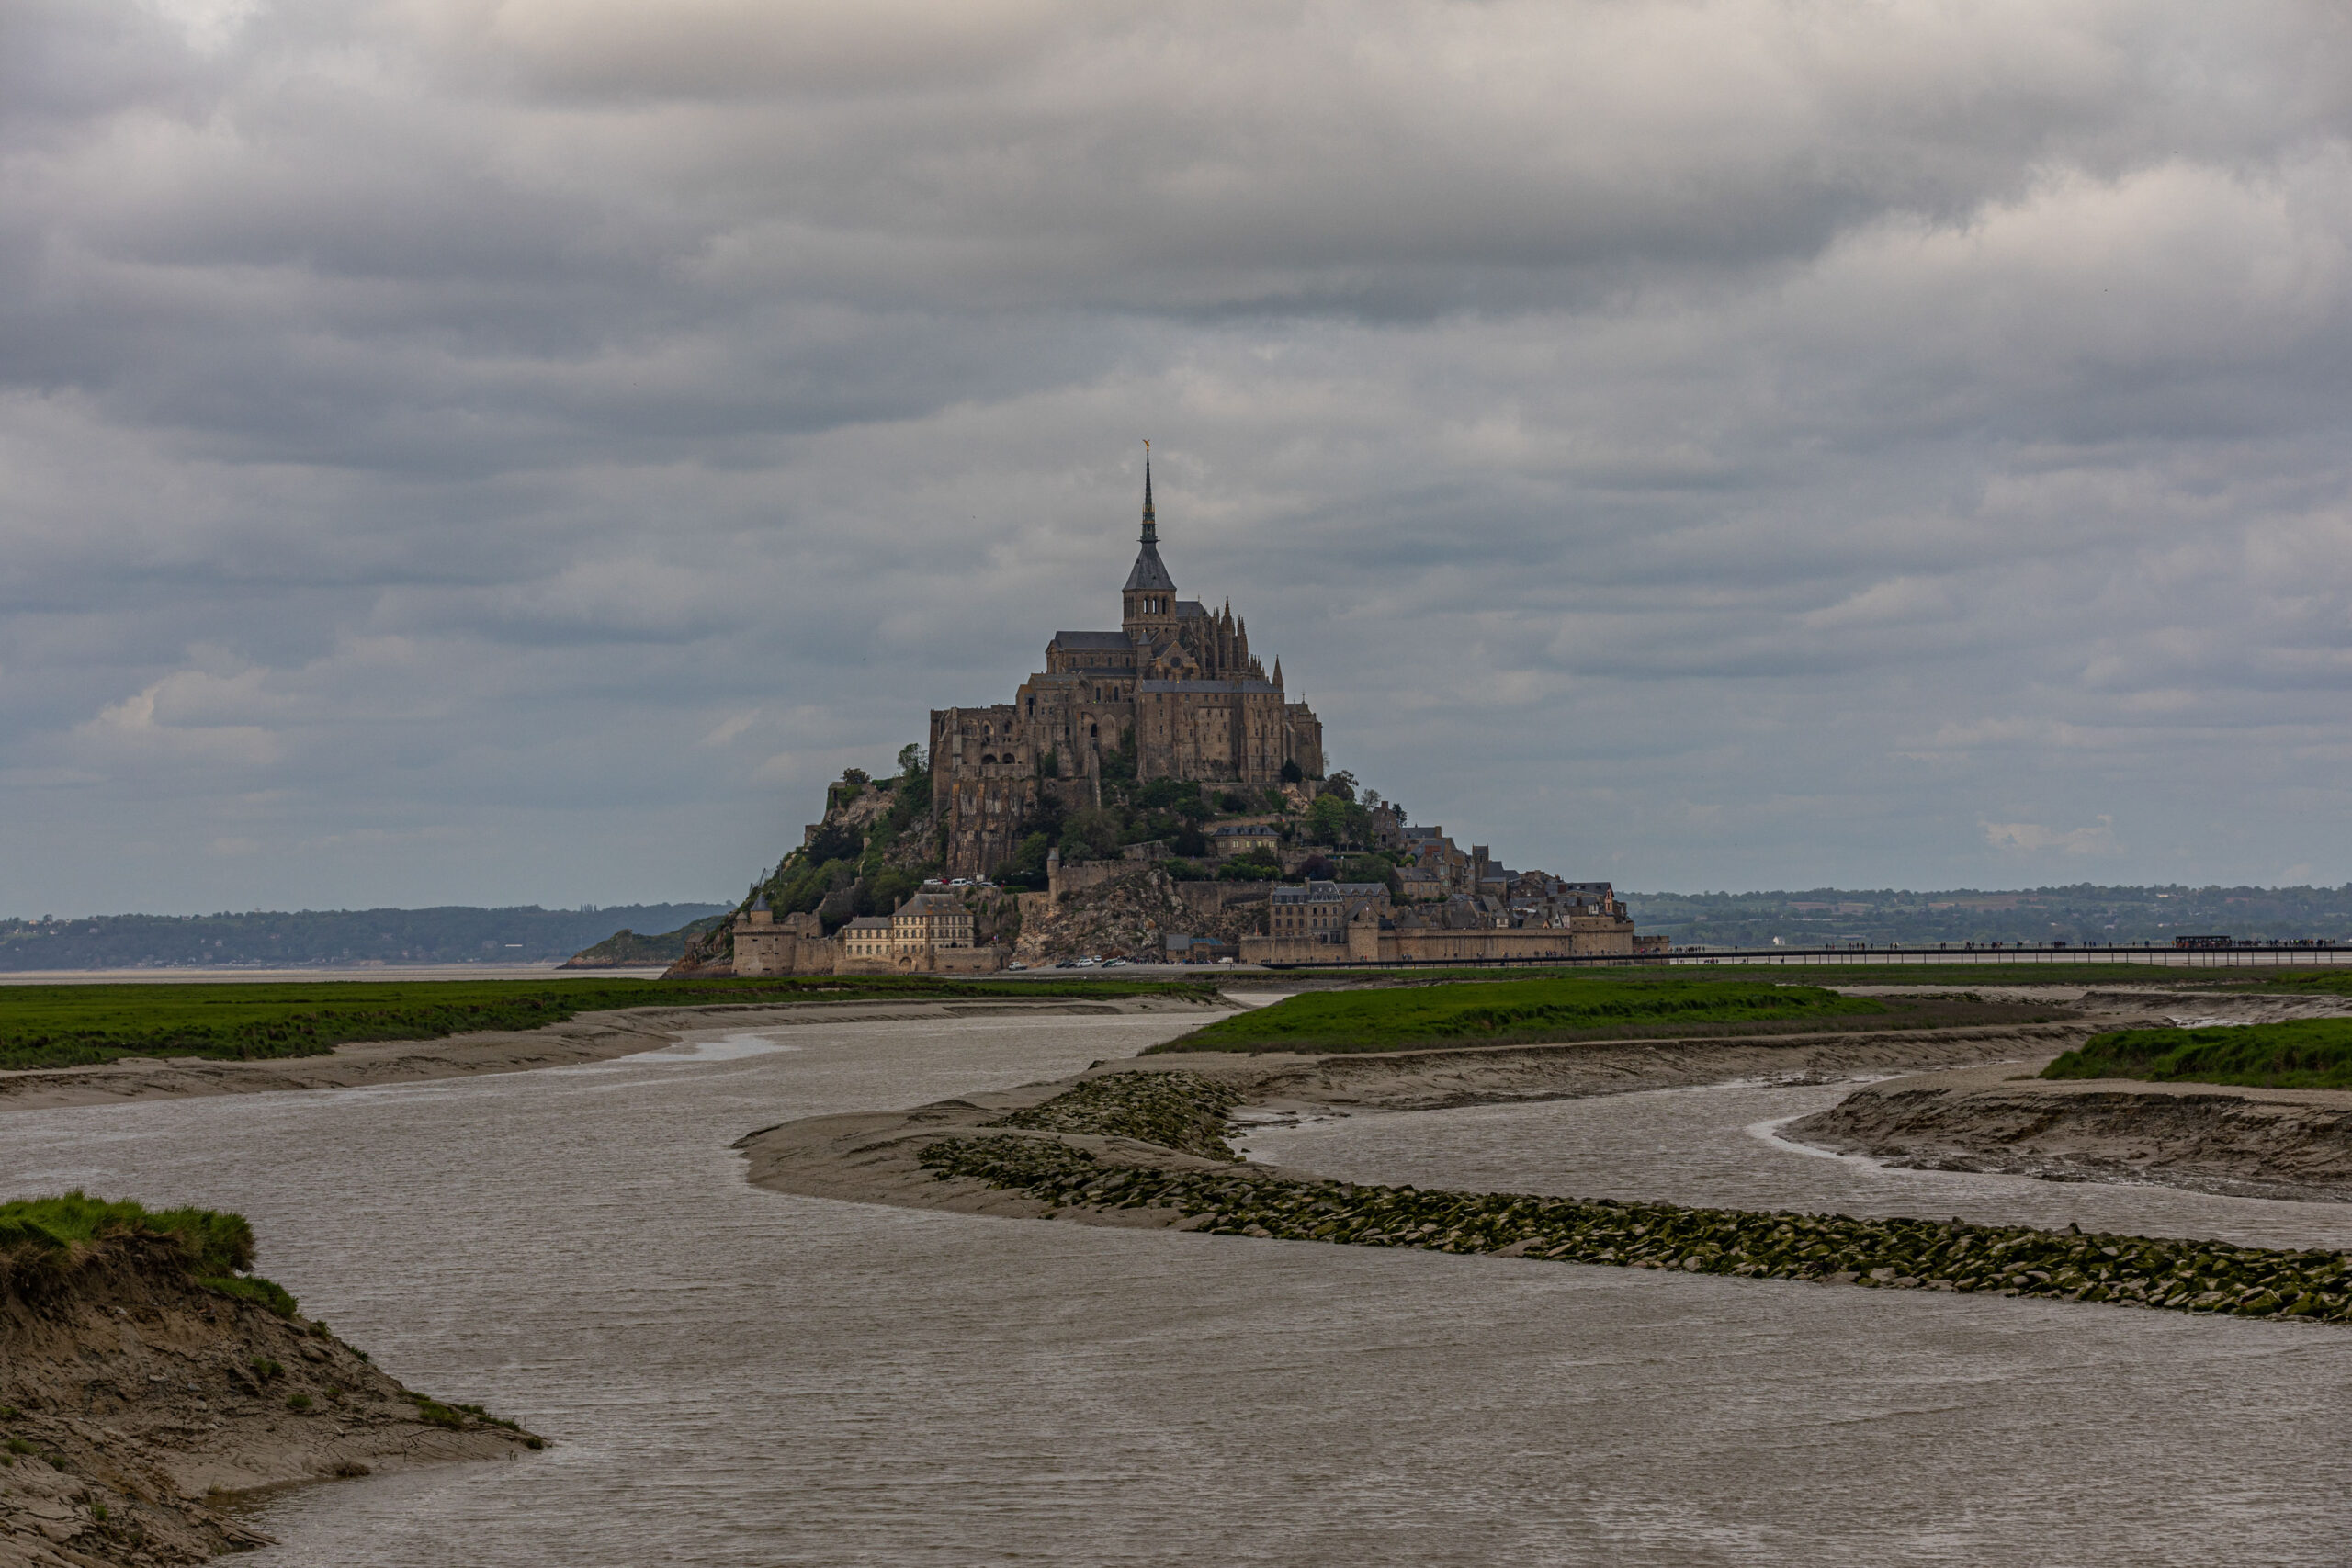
column 736, row 1377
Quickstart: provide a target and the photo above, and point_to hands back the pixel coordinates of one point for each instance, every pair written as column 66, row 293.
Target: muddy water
column 734, row 1377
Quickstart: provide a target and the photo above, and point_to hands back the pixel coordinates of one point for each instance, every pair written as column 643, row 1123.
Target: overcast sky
column 478, row 452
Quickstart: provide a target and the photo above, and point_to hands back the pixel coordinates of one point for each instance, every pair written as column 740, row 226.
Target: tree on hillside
column 1026, row 866
column 1091, row 832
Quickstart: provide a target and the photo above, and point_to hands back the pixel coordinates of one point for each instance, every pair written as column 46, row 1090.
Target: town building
column 1176, row 691
column 930, row 933
column 1232, row 839
column 1319, row 911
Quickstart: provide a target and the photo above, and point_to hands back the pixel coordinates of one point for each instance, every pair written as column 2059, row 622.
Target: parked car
column 1115, row 963
column 1016, row 966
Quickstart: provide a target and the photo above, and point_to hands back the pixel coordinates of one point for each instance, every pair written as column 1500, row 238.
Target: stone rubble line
column 1894, row 1253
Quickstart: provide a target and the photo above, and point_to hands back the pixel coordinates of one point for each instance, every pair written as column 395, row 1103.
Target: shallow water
column 1726, row 1147
column 735, row 1377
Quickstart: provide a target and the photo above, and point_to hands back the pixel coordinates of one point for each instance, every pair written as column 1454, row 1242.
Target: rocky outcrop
column 627, row 950
column 132, row 1396
column 1128, row 915
column 2252, row 1142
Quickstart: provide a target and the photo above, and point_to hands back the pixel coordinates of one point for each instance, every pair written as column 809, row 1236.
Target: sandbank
column 588, row 1037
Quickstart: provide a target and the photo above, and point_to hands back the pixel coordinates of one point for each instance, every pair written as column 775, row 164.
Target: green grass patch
column 2307, row 982
column 1503, row 1011
column 216, row 1243
column 432, row 1413
column 49, row 1026
column 218, row 1246
column 254, row 1289
column 2137, row 976
column 2313, row 1053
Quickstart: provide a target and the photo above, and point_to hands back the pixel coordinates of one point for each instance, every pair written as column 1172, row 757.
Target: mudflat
column 589, row 1037
column 872, row 1156
column 2264, row 1143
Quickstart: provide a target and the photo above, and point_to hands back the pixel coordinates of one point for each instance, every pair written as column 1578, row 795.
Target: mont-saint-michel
column 1668, row 885
column 1154, row 793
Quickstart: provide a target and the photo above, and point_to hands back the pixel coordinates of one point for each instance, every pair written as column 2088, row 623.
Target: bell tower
column 1148, row 604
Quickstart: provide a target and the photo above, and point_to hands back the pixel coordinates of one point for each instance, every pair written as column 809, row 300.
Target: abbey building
column 1175, row 690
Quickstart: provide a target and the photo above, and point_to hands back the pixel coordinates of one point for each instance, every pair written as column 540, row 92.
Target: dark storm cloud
column 1705, row 442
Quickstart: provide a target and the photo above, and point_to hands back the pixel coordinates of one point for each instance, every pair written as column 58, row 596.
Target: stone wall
column 1584, row 937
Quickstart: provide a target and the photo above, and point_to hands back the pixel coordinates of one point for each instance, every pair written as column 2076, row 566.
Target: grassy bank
column 2307, row 983
column 1900, row 1254
column 1518, row 1009
column 216, row 1243
column 2304, row 1053
column 2128, row 976
column 49, row 1026
column 38, row 1233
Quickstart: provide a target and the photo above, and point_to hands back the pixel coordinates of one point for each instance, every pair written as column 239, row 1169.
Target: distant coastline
column 473, row 942
column 157, row 974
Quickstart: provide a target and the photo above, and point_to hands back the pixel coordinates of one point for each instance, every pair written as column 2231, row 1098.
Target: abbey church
column 1176, row 683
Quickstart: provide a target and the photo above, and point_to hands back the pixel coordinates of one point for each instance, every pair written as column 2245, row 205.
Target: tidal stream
column 730, row 1376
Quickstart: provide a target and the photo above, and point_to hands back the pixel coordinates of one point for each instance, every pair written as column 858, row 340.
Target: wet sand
column 2277, row 1143
column 872, row 1156
column 589, row 1037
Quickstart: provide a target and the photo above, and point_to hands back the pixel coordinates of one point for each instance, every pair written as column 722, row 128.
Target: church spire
column 1151, row 593
column 1150, row 524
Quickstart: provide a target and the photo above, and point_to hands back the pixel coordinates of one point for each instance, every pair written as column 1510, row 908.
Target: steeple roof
column 1148, row 575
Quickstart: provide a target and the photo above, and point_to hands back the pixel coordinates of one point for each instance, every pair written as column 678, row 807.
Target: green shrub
column 298, row 1402
column 265, row 1368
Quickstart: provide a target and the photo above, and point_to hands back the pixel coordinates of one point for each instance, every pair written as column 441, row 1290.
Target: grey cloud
column 1694, row 443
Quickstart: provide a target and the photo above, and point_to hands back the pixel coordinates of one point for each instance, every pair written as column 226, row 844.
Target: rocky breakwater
column 2277, row 1143
column 145, row 1378
column 1028, row 1153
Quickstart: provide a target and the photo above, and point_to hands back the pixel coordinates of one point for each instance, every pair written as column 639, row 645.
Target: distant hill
column 2083, row 913
column 329, row 938
column 626, row 949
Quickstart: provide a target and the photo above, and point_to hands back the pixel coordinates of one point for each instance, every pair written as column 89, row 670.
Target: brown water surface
column 735, row 1377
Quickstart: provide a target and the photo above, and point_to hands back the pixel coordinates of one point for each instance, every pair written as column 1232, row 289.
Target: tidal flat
column 732, row 1375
